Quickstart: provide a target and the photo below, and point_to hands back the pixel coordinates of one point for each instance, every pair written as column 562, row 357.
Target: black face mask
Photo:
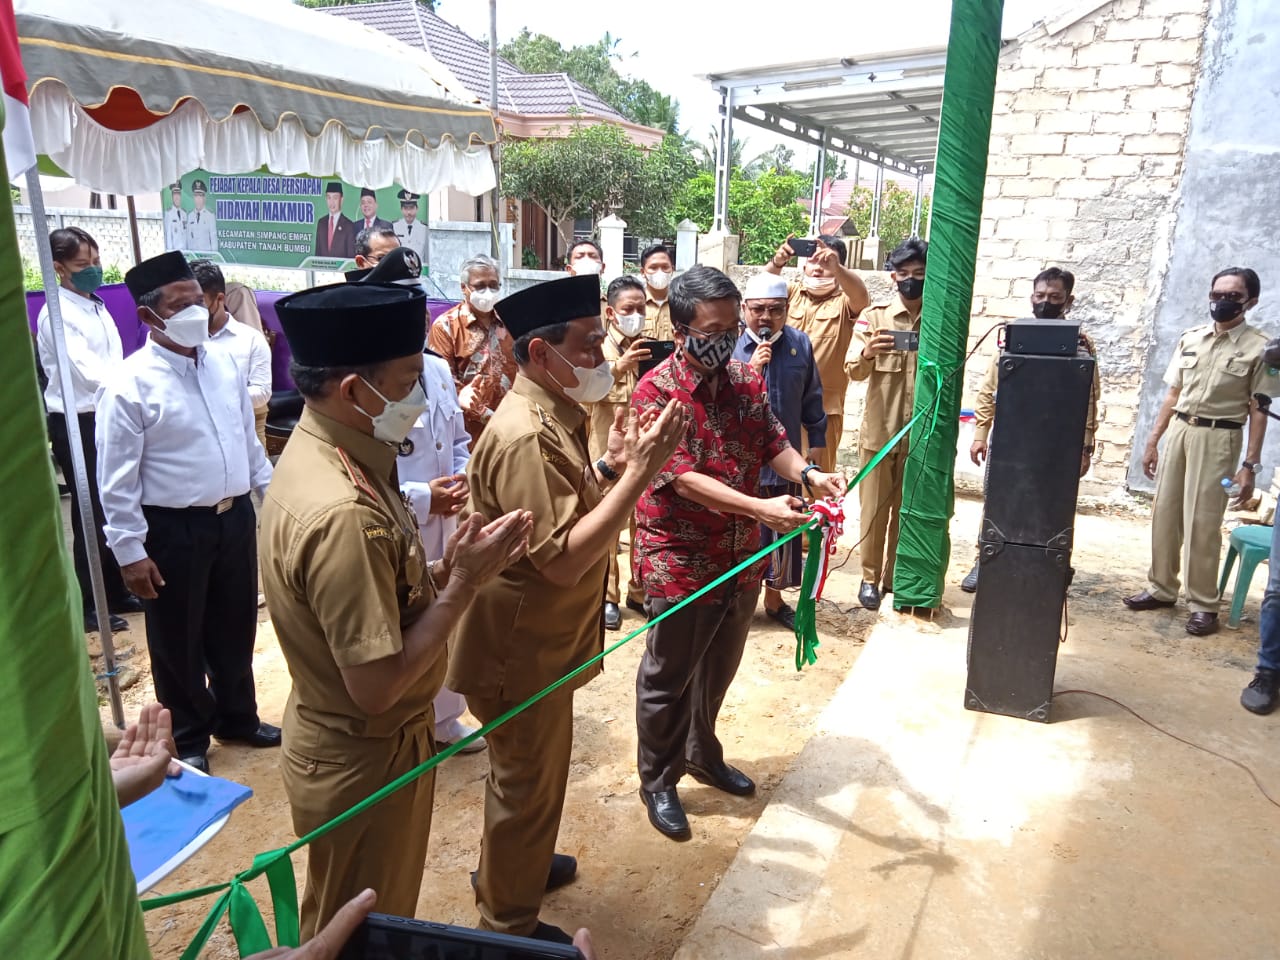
column 1224, row 311
column 911, row 288
column 1046, row 310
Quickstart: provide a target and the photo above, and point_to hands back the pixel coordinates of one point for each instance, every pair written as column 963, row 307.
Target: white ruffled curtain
column 133, row 162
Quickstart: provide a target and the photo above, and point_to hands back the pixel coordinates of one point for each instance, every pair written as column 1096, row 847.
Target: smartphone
column 659, row 350
column 381, row 937
column 905, row 339
column 803, row 248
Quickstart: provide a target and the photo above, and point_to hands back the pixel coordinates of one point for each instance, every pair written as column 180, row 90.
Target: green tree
column 835, row 167
column 896, row 207
column 763, row 211
column 664, row 172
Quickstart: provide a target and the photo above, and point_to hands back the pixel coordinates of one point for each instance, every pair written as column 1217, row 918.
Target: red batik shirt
column 682, row 545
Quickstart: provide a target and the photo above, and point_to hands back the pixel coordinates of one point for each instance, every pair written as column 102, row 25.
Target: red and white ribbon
column 830, row 512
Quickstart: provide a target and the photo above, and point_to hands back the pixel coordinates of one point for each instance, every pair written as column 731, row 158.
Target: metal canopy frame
column 883, row 109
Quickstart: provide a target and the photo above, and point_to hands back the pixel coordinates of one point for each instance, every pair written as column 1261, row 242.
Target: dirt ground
column 639, row 892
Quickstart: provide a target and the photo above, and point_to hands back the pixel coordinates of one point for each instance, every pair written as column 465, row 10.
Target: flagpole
column 88, row 522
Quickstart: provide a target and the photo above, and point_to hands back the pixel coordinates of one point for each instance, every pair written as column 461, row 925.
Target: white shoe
column 458, row 731
column 262, row 600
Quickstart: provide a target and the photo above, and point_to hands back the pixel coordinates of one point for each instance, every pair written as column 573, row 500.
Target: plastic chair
column 1253, row 544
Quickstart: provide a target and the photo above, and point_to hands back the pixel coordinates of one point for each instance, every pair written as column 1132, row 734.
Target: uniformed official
column 541, row 618
column 657, row 266
column 1213, row 376
column 823, row 306
column 891, row 383
column 411, row 231
column 202, row 225
column 361, row 615
column 175, row 220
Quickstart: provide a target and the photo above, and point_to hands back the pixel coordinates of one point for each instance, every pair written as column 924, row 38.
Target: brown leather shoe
column 1202, row 624
column 1145, row 601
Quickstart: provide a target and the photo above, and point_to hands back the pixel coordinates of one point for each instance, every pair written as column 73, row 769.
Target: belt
column 1206, row 422
column 221, row 507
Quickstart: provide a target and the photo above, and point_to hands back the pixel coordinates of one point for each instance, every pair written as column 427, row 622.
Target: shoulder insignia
column 376, row 531
column 550, row 456
column 358, row 479
column 543, row 416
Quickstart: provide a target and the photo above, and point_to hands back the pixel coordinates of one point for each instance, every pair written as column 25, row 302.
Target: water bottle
column 1231, row 488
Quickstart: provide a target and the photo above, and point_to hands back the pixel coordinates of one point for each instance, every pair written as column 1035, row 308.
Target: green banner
column 264, row 220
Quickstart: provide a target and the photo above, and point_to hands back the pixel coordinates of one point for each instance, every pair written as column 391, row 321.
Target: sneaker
column 458, row 731
column 970, row 582
column 1260, row 696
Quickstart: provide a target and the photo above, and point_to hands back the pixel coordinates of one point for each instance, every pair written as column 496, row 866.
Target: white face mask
column 594, row 383
column 765, row 335
column 483, row 300
column 397, row 418
column 659, row 279
column 188, row 327
column 629, row 323
column 819, row 285
column 587, row 267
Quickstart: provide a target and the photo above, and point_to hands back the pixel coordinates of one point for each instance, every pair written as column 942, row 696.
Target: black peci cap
column 334, row 187
column 354, row 324
column 556, row 301
column 366, row 192
column 153, row 274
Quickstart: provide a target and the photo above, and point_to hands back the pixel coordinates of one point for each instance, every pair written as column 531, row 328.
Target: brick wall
column 1090, row 123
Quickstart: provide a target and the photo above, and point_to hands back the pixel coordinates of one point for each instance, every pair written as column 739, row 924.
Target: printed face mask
column 712, row 352
column 397, row 418
column 188, row 327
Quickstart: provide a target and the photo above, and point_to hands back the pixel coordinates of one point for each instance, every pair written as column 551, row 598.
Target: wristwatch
column 606, row 471
column 804, row 476
column 1251, row 467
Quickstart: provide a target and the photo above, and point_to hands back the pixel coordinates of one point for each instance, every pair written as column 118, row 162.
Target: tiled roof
column 528, row 94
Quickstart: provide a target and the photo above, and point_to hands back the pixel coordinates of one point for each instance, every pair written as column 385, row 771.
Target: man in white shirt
column 432, row 467
column 247, row 346
column 409, row 230
column 175, row 220
column 93, row 347
column 177, row 458
column 202, row 226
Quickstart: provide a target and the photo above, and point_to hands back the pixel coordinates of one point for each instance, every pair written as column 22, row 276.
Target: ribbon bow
column 828, row 525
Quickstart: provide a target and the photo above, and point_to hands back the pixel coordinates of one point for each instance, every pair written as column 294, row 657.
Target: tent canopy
column 126, row 97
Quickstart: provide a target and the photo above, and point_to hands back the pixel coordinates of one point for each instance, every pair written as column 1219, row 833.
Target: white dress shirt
column 202, row 231
column 175, row 229
column 441, row 448
column 173, row 432
column 252, row 355
column 93, row 345
column 412, row 235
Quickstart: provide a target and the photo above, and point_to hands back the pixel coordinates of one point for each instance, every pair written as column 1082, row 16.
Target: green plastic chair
column 1253, row 544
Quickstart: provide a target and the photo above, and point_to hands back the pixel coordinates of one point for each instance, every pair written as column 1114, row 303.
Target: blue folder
column 161, row 824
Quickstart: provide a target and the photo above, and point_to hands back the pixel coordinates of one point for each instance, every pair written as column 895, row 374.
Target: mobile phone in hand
column 908, row 340
column 803, row 248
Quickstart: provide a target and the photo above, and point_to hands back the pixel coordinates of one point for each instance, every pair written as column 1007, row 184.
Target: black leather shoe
column 129, row 604
column 637, row 606
column 197, row 760
column 564, row 870
column 1202, row 624
column 1260, row 696
column 784, row 615
column 612, row 616
column 666, row 814
column 724, row 777
column 970, row 582
column 118, row 624
column 1145, row 601
column 869, row 596
column 548, row 933
column 267, row 735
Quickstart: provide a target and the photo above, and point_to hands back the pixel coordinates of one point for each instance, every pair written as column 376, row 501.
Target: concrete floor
column 909, row 827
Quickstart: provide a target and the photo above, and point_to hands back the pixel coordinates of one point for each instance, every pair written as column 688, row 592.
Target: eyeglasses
column 771, row 310
column 689, row 331
column 1217, row 296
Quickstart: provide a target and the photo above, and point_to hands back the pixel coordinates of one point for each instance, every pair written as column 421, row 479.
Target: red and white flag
column 19, row 144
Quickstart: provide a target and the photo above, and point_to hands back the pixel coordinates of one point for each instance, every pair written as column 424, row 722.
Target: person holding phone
column 877, row 355
column 823, row 306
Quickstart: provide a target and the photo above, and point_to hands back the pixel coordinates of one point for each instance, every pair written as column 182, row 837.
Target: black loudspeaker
column 1024, row 549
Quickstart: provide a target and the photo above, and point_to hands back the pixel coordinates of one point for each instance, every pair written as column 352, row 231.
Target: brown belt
column 1206, row 422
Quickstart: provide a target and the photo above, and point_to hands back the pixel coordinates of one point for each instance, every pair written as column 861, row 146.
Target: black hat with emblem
column 407, row 199
column 354, row 324
column 399, row 265
column 552, row 302
column 149, row 275
column 197, row 187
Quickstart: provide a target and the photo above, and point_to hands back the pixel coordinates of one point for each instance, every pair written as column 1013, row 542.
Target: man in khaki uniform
column 823, row 305
column 1213, row 376
column 658, row 268
column 891, row 385
column 362, row 616
column 1051, row 299
column 540, row 619
column 625, row 347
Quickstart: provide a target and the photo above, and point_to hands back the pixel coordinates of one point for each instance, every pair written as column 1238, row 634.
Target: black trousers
column 111, row 579
column 201, row 627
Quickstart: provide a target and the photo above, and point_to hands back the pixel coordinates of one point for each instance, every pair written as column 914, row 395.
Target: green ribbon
column 246, row 919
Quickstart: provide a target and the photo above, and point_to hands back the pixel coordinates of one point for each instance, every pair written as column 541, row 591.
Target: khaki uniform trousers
column 1186, row 518
column 826, row 457
column 598, row 424
column 523, row 799
column 880, row 508
column 260, row 424
column 386, row 846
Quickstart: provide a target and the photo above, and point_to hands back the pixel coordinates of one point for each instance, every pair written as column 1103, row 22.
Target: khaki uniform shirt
column 828, row 321
column 344, row 573
column 891, row 377
column 984, row 407
column 624, row 381
column 522, row 632
column 657, row 319
column 1219, row 373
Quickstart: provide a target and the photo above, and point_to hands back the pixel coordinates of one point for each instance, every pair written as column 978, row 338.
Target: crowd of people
column 443, row 529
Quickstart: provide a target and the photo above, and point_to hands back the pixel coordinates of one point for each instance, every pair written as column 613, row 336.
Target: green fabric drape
column 928, row 495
